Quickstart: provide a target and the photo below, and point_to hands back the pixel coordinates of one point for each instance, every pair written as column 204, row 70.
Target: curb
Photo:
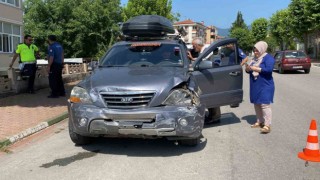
column 29, row 131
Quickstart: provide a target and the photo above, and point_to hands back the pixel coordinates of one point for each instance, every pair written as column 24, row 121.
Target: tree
column 86, row 28
column 259, row 29
column 281, row 28
column 245, row 38
column 149, row 7
column 305, row 18
column 239, row 22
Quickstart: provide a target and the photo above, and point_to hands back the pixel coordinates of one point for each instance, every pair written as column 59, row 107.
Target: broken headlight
column 80, row 95
column 179, row 97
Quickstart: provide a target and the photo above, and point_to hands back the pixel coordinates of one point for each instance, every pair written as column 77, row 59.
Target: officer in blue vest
column 55, row 66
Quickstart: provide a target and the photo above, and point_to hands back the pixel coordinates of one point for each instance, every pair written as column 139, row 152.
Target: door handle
column 235, row 73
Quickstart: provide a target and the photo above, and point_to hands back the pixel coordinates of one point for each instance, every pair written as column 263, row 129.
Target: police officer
column 55, row 66
column 28, row 53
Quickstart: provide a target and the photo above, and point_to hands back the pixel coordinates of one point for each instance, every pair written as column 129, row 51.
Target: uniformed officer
column 55, row 66
column 241, row 56
column 28, row 53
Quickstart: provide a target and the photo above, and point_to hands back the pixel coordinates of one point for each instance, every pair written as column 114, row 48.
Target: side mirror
column 205, row 65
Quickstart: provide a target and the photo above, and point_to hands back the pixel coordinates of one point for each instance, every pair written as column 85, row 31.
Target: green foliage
column 281, row 28
column 239, row 22
column 259, row 29
column 272, row 44
column 304, row 16
column 84, row 27
column 149, row 7
column 245, row 38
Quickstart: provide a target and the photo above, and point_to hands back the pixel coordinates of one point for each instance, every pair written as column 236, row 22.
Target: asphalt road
column 229, row 150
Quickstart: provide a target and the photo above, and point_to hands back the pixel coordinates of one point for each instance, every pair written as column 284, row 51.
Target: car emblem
column 126, row 99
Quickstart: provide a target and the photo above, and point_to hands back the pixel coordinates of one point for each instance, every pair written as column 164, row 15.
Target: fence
column 12, row 81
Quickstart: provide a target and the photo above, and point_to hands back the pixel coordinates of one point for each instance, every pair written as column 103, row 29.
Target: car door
column 219, row 84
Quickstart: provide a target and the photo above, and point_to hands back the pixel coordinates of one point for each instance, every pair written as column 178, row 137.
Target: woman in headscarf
column 261, row 85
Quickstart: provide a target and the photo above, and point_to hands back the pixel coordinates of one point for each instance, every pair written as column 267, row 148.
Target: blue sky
column 222, row 13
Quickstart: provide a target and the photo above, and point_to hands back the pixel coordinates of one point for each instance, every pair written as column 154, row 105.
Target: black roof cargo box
column 147, row 26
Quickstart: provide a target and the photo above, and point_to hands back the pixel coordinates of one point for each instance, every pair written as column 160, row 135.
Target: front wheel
column 190, row 142
column 77, row 138
column 307, row 71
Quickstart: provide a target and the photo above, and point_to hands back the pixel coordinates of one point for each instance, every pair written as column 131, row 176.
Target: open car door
column 218, row 74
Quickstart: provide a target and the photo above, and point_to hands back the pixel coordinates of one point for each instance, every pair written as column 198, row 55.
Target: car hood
column 159, row 80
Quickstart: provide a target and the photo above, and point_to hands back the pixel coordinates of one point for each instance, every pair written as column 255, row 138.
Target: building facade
column 193, row 29
column 11, row 29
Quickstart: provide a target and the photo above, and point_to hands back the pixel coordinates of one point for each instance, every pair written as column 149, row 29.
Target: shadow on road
column 142, row 147
column 251, row 119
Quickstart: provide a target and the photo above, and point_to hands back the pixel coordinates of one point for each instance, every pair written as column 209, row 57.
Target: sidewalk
column 24, row 114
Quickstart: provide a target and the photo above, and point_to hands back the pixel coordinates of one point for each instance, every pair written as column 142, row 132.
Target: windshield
column 295, row 54
column 144, row 54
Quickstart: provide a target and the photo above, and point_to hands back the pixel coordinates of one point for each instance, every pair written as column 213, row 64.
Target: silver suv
column 146, row 87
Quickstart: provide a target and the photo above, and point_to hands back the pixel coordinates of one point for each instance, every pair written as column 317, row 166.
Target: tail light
column 308, row 60
column 284, row 61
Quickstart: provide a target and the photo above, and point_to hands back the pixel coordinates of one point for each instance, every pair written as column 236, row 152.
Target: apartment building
column 197, row 29
column 11, row 29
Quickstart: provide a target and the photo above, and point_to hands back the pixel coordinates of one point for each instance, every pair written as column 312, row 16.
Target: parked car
column 292, row 60
column 145, row 86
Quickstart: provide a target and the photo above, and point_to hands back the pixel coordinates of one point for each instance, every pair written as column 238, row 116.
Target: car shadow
column 142, row 147
column 226, row 119
column 291, row 72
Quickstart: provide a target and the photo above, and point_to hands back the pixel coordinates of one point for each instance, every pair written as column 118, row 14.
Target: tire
column 307, row 71
column 281, row 71
column 190, row 142
column 213, row 116
column 77, row 138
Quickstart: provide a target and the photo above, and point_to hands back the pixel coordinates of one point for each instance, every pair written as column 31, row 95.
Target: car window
column 295, row 54
column 278, row 55
column 223, row 56
column 144, row 54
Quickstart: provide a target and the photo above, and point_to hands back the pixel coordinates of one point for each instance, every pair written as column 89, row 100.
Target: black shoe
column 52, row 96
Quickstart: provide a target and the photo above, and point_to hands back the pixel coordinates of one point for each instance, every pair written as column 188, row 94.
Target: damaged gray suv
column 145, row 86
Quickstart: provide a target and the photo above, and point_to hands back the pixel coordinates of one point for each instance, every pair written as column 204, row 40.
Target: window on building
column 10, row 37
column 11, row 2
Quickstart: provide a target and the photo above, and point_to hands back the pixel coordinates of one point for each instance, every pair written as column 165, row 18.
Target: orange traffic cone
column 311, row 152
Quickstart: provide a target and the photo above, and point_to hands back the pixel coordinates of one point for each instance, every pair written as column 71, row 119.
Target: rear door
column 220, row 84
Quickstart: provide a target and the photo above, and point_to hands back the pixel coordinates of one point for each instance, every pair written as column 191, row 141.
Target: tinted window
column 295, row 54
column 144, row 54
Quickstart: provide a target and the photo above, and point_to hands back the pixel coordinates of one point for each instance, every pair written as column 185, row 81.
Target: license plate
column 296, row 67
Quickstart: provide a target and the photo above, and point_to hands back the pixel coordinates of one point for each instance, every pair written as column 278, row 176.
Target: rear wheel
column 307, row 71
column 77, row 138
column 281, row 71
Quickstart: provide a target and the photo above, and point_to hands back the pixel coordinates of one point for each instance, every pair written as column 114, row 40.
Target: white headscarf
column 262, row 47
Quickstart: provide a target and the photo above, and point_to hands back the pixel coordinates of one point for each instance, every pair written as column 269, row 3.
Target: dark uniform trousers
column 55, row 80
column 30, row 70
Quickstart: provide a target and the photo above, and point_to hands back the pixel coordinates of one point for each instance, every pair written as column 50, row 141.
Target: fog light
column 183, row 122
column 83, row 121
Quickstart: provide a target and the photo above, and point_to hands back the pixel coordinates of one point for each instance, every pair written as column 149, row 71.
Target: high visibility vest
column 27, row 53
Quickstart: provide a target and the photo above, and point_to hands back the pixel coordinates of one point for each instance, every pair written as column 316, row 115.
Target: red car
column 291, row 60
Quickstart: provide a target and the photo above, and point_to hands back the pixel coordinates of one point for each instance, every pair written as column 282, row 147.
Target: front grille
column 127, row 99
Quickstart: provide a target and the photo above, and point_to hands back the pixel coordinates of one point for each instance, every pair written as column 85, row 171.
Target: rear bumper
column 296, row 66
column 150, row 122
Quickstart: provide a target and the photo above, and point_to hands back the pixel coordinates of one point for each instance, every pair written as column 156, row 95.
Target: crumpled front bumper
column 167, row 121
